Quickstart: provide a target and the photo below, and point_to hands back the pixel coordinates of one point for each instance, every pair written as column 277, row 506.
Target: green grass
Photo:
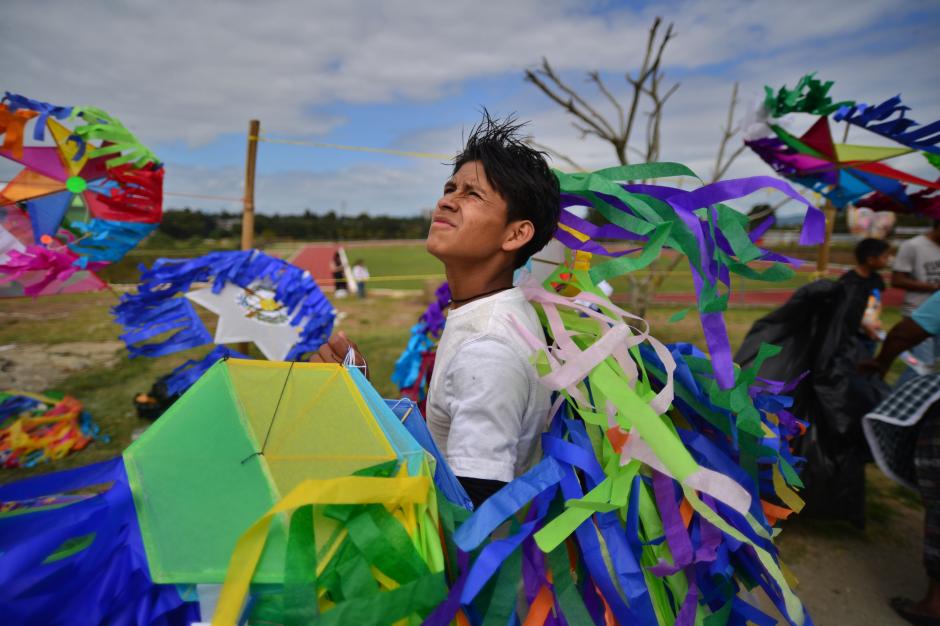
column 107, row 394
column 58, row 319
column 380, row 326
column 397, row 260
column 383, row 260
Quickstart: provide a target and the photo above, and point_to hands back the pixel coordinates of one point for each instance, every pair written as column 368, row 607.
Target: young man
column 486, row 408
column 871, row 256
column 917, row 271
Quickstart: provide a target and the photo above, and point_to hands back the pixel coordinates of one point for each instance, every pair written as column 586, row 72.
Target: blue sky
column 187, row 77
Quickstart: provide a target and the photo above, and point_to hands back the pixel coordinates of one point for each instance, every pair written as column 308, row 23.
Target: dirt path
column 39, row 367
column 846, row 576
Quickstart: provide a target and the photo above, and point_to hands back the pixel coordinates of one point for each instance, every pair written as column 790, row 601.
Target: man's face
column 469, row 221
column 881, row 261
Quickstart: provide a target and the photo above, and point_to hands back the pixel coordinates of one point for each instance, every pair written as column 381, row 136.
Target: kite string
column 277, row 406
column 274, row 416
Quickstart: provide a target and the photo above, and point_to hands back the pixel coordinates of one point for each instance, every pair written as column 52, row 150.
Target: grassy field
column 387, row 264
column 36, row 329
column 406, row 265
column 380, row 325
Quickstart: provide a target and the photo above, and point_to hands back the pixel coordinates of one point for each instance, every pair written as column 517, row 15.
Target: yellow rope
column 410, row 277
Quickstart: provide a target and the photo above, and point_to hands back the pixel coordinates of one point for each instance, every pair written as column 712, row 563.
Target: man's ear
column 518, row 234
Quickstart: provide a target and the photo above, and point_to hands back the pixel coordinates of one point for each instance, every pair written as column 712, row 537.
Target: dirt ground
column 846, row 576
column 38, row 367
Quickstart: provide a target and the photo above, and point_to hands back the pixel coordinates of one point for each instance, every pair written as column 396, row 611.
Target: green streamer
column 121, row 142
column 504, row 591
column 300, row 572
column 809, row 96
column 566, row 592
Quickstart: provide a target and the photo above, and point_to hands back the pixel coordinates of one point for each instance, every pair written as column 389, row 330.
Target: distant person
column 923, row 324
column 917, row 271
column 360, row 274
column 339, row 275
column 871, row 256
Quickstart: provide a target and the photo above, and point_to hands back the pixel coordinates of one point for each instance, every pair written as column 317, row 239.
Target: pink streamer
column 54, row 265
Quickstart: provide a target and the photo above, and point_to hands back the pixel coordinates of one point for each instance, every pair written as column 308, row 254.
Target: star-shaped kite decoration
column 258, row 298
column 250, row 314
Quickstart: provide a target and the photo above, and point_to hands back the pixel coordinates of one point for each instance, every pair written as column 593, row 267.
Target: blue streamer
column 504, row 503
column 15, row 102
column 878, row 119
column 107, row 240
column 144, row 318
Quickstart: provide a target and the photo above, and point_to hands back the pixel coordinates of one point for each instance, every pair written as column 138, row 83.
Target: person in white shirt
column 917, row 271
column 360, row 274
column 486, row 409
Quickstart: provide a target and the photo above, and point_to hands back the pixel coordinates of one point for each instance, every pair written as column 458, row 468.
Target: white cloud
column 378, row 190
column 193, row 71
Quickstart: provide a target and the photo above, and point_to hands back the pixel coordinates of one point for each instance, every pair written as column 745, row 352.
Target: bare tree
column 648, row 89
column 647, row 83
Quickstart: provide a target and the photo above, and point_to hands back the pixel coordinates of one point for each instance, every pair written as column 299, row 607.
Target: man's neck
column 468, row 284
column 863, row 270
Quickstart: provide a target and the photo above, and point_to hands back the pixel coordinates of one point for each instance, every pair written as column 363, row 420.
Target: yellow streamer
column 577, row 234
column 784, row 492
column 391, row 492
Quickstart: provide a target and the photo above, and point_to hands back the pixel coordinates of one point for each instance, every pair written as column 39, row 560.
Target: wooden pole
column 822, row 261
column 248, row 208
column 248, row 211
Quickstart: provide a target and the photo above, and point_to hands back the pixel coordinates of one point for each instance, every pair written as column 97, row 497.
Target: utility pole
column 248, row 211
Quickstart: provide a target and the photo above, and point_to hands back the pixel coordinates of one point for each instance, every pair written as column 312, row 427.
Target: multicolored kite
column 414, row 367
column 91, row 190
column 37, row 428
column 848, row 173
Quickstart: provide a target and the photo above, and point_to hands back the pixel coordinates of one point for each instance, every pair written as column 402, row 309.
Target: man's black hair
column 519, row 173
column 868, row 248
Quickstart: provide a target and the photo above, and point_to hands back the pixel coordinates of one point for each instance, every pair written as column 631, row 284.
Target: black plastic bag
column 818, row 332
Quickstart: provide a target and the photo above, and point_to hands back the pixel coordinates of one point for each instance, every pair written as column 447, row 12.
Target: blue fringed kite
column 258, row 298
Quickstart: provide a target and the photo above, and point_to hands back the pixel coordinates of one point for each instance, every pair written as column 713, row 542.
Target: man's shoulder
column 920, row 242
column 496, row 324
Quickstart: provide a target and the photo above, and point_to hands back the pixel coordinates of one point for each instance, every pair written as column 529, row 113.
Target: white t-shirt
column 486, row 409
column 360, row 273
column 919, row 257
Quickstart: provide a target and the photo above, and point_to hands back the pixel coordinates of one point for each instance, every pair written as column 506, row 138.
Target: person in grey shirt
column 916, row 270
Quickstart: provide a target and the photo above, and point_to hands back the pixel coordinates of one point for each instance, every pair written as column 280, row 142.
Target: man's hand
column 336, row 349
column 904, row 280
column 871, row 366
column 903, row 336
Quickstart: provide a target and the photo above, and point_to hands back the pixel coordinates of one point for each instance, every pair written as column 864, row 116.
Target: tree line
column 190, row 223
